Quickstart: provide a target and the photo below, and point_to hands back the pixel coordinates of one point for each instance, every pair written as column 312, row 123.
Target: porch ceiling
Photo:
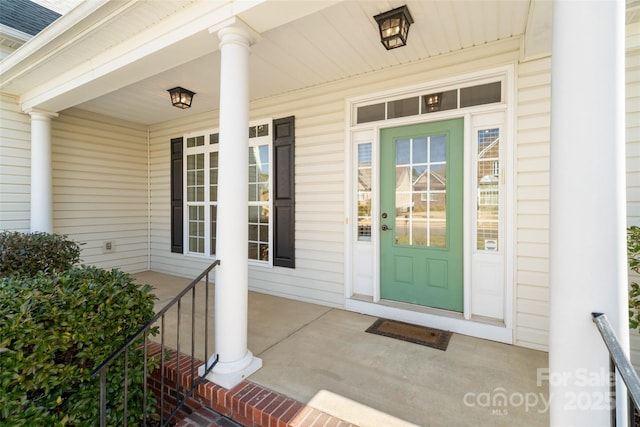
column 118, row 58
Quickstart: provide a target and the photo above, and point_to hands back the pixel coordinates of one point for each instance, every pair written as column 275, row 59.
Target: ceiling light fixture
column 394, row 27
column 181, row 97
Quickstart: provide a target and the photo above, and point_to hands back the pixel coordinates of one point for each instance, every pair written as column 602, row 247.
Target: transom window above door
column 431, row 102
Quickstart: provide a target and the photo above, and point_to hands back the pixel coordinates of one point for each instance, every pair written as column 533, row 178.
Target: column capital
column 235, row 30
column 40, row 114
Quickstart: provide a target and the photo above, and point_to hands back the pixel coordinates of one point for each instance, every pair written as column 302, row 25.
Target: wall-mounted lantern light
column 394, row 27
column 181, row 97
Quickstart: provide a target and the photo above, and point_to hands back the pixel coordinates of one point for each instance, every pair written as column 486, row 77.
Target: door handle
column 385, row 227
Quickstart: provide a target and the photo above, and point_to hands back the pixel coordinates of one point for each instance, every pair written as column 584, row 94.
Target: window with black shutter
column 267, row 144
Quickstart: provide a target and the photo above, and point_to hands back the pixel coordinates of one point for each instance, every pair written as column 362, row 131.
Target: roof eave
column 60, row 33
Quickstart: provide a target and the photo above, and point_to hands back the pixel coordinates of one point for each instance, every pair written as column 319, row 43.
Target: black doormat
column 422, row 335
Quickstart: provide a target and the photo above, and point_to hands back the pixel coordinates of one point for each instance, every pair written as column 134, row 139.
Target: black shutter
column 176, row 196
column 284, row 192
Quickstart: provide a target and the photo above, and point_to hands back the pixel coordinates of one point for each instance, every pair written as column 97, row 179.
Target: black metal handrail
column 618, row 361
column 143, row 332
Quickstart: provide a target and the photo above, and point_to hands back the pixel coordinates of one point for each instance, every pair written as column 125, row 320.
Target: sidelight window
column 364, row 191
column 488, row 189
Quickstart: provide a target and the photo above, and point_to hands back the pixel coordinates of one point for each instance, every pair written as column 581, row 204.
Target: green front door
column 421, row 214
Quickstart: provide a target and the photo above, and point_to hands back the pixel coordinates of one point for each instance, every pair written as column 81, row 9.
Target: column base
column 230, row 374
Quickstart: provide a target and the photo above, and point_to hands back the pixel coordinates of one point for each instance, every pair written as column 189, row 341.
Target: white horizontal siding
column 15, row 166
column 633, row 156
column 633, row 136
column 100, row 188
column 532, row 204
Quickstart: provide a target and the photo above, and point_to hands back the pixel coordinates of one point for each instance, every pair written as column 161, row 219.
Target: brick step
column 252, row 405
column 247, row 405
column 307, row 417
column 205, row 417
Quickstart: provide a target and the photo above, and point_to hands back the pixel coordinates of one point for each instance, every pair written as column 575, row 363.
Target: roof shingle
column 26, row 16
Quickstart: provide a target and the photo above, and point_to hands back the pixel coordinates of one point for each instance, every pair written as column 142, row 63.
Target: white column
column 41, row 171
column 235, row 362
column 587, row 213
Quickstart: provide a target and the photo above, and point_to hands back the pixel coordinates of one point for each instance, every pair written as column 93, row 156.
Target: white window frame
column 256, row 142
column 206, row 149
column 188, row 151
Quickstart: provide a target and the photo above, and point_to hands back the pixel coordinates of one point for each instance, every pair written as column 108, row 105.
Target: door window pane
column 420, row 182
column 403, row 234
column 421, row 217
column 437, row 219
column 403, row 186
column 403, row 152
column 438, row 177
column 438, row 149
column 420, row 148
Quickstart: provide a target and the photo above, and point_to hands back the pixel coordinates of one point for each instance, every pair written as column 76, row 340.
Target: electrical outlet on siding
column 108, row 246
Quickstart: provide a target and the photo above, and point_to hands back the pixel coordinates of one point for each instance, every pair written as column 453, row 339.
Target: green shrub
column 27, row 254
column 54, row 330
column 633, row 254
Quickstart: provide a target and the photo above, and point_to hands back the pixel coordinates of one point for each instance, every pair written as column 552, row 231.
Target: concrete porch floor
column 323, row 357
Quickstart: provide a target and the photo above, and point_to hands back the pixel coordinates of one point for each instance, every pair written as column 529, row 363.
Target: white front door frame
column 370, row 302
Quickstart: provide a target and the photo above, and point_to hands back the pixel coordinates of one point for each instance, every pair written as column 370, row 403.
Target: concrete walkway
column 323, row 357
